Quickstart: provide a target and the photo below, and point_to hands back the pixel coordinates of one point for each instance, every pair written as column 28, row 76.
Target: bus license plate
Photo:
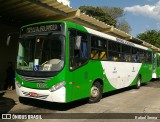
column 33, row 94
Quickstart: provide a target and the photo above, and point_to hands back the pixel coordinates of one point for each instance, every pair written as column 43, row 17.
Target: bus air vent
column 34, row 79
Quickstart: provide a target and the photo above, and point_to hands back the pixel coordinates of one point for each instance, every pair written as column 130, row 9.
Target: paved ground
column 144, row 100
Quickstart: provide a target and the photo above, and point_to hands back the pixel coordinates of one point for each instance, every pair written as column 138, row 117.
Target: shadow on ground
column 6, row 104
column 1, row 94
column 107, row 94
column 52, row 105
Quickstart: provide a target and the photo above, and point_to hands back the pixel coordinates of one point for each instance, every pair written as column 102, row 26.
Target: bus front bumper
column 56, row 96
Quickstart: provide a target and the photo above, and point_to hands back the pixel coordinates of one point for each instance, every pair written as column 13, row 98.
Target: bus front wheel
column 96, row 92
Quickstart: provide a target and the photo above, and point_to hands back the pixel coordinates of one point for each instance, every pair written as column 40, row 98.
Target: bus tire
column 138, row 83
column 96, row 92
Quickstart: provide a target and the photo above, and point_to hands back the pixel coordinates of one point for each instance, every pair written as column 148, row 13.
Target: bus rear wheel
column 96, row 92
column 138, row 84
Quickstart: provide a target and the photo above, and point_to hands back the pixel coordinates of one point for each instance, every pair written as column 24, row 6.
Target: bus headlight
column 57, row 86
column 18, row 84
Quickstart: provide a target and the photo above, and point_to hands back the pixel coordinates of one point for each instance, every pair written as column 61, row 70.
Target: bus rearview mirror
column 8, row 40
column 10, row 35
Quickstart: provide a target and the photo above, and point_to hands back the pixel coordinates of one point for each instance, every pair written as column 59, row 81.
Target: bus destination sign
column 41, row 28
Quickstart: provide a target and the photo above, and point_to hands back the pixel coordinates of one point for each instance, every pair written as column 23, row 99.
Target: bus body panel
column 120, row 74
column 114, row 75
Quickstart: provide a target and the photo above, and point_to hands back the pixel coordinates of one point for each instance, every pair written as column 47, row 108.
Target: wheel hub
column 139, row 82
column 94, row 91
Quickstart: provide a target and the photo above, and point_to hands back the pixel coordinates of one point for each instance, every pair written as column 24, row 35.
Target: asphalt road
column 113, row 104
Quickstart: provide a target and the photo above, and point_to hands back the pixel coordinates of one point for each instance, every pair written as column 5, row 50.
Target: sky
column 142, row 15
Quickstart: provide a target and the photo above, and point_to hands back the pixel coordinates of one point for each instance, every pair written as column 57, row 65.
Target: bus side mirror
column 10, row 35
column 78, row 43
column 8, row 40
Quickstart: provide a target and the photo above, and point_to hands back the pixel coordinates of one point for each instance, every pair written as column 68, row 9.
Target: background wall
column 7, row 53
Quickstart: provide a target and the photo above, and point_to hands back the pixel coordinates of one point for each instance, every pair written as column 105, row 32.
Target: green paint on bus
column 83, row 58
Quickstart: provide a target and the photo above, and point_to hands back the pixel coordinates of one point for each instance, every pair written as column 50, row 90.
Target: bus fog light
column 57, row 86
column 18, row 84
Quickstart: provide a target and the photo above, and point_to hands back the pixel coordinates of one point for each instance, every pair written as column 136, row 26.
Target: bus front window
column 41, row 53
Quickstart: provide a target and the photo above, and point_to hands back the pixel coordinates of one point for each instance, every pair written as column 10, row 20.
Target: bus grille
column 34, row 79
column 40, row 96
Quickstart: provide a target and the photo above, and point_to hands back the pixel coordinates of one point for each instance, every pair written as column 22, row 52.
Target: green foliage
column 114, row 11
column 118, row 14
column 109, row 15
column 123, row 25
column 99, row 14
column 151, row 36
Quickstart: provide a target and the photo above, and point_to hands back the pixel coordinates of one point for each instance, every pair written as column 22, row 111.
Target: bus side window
column 98, row 48
column 114, row 51
column 148, row 57
column 84, row 49
column 94, row 48
column 126, row 52
column 94, row 54
column 137, row 58
column 103, row 55
column 142, row 56
column 135, row 55
column 78, row 48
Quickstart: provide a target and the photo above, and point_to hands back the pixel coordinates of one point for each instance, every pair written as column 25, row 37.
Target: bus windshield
column 41, row 53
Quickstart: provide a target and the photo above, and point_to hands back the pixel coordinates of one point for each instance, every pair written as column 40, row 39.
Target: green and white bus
column 60, row 61
column 156, row 66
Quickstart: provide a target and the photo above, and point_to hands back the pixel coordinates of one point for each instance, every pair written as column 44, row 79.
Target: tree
column 118, row 14
column 123, row 25
column 115, row 12
column 151, row 36
column 99, row 14
column 109, row 15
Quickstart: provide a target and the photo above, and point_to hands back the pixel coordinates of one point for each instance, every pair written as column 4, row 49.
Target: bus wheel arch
column 96, row 91
column 138, row 81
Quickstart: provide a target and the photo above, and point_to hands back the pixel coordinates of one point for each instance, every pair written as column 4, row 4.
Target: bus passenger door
column 78, row 60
